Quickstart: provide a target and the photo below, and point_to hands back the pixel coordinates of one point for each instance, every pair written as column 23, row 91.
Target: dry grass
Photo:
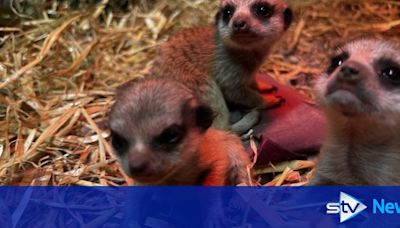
column 58, row 74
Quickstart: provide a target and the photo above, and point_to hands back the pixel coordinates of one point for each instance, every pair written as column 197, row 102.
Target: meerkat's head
column 250, row 24
column 156, row 127
column 363, row 79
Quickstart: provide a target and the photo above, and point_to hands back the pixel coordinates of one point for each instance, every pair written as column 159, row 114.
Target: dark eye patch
column 262, row 10
column 227, row 13
column 337, row 61
column 388, row 71
column 287, row 18
column 169, row 137
column 119, row 143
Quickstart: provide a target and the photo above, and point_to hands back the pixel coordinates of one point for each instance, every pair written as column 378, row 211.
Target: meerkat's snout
column 351, row 72
column 252, row 22
column 348, row 88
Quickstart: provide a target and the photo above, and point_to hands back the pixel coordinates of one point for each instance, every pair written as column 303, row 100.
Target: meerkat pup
column 360, row 94
column 161, row 134
column 219, row 62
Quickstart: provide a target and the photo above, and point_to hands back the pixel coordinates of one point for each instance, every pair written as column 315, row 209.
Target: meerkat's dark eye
column 390, row 71
column 227, row 13
column 263, row 10
column 119, row 143
column 170, row 136
column 337, row 61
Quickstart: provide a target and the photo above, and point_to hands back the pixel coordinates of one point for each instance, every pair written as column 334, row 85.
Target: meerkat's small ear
column 217, row 17
column 202, row 115
column 287, row 18
column 120, row 89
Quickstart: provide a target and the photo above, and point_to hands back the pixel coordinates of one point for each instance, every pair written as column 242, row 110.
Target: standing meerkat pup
column 219, row 63
column 161, row 136
column 360, row 94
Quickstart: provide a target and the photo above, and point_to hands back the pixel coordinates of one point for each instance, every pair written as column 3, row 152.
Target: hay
column 59, row 68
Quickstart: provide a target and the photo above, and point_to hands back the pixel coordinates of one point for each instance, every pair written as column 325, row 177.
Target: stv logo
column 348, row 207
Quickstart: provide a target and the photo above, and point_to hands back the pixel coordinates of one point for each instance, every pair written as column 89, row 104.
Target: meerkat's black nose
column 137, row 168
column 239, row 25
column 349, row 73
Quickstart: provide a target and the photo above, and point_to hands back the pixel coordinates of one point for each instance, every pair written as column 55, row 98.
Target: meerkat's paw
column 272, row 101
column 246, row 136
column 247, row 122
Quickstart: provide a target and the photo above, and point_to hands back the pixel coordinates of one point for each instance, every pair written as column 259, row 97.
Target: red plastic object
column 291, row 131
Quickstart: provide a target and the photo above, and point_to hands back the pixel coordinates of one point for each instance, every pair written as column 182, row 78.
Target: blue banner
column 200, row 207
